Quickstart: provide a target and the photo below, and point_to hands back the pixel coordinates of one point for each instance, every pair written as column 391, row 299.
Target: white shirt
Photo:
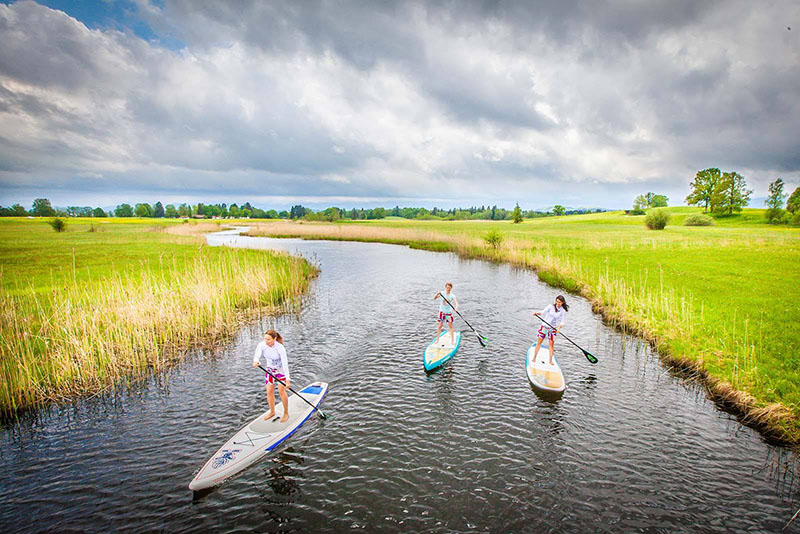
column 444, row 307
column 275, row 356
column 555, row 318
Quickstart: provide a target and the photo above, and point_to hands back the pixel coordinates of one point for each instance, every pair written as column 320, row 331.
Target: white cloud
column 402, row 101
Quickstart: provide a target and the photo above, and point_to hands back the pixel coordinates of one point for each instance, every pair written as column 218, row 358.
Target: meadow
column 720, row 302
column 109, row 300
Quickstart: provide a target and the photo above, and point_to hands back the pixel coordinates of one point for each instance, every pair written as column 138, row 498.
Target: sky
column 380, row 103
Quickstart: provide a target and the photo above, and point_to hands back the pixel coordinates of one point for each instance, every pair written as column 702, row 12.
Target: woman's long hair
column 274, row 335
column 563, row 302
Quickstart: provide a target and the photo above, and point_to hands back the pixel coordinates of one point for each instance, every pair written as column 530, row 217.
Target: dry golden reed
column 82, row 337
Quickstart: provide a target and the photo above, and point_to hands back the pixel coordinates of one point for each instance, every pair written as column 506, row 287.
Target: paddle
column 482, row 340
column 322, row 415
column 588, row 355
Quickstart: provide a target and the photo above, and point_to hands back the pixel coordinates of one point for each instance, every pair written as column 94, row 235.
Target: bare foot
column 285, row 418
column 551, row 362
column 269, row 416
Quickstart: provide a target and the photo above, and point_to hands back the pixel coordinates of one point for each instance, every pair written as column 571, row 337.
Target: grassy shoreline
column 719, row 302
column 106, row 301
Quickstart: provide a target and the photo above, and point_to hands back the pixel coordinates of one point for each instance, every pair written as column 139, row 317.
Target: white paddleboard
column 543, row 375
column 258, row 438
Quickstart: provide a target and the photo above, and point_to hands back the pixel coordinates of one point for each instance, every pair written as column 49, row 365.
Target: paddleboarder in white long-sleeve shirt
column 446, row 311
column 555, row 314
column 276, row 363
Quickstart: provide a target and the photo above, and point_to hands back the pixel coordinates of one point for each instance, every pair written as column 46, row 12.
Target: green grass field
column 724, row 297
column 109, row 299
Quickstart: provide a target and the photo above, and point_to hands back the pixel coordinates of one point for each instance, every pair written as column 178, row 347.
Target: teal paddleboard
column 440, row 350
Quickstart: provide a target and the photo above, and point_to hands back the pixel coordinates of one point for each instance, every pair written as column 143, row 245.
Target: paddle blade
column 482, row 340
column 589, row 357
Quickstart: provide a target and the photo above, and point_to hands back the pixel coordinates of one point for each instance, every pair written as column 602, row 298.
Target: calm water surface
column 469, row 448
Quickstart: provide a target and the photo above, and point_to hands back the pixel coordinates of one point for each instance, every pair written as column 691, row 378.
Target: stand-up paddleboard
column 543, row 375
column 441, row 350
column 258, row 438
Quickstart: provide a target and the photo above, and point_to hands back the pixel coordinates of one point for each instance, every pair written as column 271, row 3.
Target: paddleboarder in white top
column 555, row 314
column 276, row 363
column 446, row 311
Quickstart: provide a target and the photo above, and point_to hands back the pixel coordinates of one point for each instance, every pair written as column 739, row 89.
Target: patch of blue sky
column 121, row 15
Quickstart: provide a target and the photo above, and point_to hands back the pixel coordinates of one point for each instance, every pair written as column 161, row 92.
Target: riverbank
column 717, row 302
column 108, row 300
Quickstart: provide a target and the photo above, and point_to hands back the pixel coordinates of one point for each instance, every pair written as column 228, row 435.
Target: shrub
column 493, row 238
column 796, row 219
column 698, row 219
column 657, row 218
column 58, row 224
column 774, row 215
column 634, row 212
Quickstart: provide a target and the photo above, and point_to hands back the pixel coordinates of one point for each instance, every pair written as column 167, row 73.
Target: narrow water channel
column 470, row 448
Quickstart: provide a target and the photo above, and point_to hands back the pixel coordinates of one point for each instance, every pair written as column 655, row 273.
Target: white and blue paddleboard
column 542, row 375
column 258, row 438
column 440, row 350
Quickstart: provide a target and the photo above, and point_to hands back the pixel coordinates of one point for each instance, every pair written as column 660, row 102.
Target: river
column 469, row 448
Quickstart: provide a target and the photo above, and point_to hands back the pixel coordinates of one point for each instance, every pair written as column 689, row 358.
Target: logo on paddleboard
column 225, row 457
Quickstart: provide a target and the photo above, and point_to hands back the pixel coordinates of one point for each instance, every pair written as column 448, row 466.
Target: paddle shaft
column 589, row 356
column 462, row 317
column 293, row 391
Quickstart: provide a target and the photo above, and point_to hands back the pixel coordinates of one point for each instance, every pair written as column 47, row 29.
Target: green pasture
column 35, row 256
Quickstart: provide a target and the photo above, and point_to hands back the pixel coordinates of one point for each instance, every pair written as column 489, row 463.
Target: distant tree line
column 198, row 211
column 42, row 208
column 492, row 213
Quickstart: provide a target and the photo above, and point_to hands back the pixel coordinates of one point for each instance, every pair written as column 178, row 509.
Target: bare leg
column 438, row 330
column 452, row 334
column 285, row 401
column 551, row 351
column 536, row 350
column 271, row 400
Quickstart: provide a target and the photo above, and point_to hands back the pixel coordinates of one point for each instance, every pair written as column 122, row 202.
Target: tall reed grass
column 80, row 337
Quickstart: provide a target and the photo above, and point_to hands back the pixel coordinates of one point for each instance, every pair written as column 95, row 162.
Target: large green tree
column 158, row 210
column 98, row 212
column 558, row 209
column 776, row 195
column 516, row 215
column 774, row 201
column 730, row 194
column 42, row 208
column 705, row 182
column 659, row 201
column 123, row 210
column 793, row 205
column 143, row 209
column 170, row 211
